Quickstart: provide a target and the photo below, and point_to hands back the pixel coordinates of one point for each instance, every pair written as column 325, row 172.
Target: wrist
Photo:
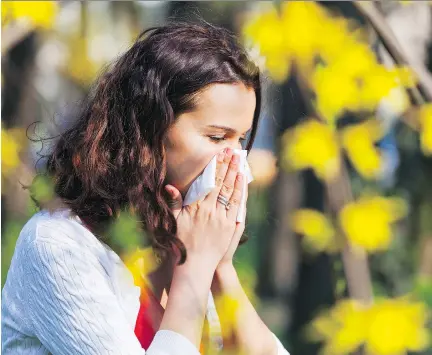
column 225, row 268
column 225, row 278
column 197, row 265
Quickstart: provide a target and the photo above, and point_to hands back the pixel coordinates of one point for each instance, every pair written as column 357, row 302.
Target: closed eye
column 218, row 139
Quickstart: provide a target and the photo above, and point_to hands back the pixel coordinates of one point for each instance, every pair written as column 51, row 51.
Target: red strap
column 144, row 328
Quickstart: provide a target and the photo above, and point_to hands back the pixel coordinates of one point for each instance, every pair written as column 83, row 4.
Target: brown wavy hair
column 113, row 157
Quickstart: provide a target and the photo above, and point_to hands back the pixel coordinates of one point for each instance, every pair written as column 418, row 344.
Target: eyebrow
column 227, row 129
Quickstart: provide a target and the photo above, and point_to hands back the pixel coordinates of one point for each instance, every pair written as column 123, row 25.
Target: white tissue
column 206, row 182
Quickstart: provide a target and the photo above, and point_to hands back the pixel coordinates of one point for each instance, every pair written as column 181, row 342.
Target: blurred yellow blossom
column 334, row 92
column 395, row 104
column 290, row 35
column 79, row 66
column 359, row 143
column 263, row 166
column 342, row 329
column 228, row 308
column 12, row 141
column 278, row 68
column 425, row 118
column 318, row 232
column 379, row 83
column 141, row 262
column 249, row 280
column 302, row 22
column 355, row 82
column 389, row 327
column 332, row 54
column 397, row 326
column 367, row 222
column 312, row 145
column 266, row 32
column 38, row 13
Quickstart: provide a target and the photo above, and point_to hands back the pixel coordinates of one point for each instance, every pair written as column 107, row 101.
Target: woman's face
column 222, row 118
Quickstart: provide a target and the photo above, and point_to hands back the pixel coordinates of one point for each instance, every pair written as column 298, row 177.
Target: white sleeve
column 280, row 348
column 74, row 311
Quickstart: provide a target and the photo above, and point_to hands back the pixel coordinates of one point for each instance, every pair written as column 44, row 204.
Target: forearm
column 251, row 333
column 187, row 301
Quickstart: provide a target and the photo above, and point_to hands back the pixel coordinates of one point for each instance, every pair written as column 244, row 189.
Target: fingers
column 193, row 207
column 227, row 188
column 236, row 196
column 225, row 178
column 223, row 161
column 175, row 200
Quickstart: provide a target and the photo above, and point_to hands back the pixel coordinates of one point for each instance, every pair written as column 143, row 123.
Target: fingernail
column 228, row 151
column 235, row 158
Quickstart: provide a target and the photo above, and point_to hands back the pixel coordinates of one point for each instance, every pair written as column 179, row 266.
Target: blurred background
column 339, row 257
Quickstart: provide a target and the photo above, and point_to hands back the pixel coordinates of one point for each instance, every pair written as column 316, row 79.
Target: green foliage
column 126, row 233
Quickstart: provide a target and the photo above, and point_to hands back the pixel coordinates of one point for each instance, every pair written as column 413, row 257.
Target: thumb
column 175, row 199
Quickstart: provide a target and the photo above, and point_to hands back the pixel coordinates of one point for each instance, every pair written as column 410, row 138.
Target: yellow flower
column 390, row 327
column 312, row 145
column 39, row 13
column 367, row 222
column 11, row 144
column 356, row 59
column 336, row 37
column 301, row 22
column 228, row 308
column 425, row 118
column 263, row 166
column 397, row 326
column 248, row 279
column 355, row 81
column 343, row 329
column 396, row 103
column 335, row 92
column 265, row 30
column 317, row 230
column 141, row 262
column 294, row 34
column 79, row 66
column 278, row 68
column 376, row 85
column 358, row 141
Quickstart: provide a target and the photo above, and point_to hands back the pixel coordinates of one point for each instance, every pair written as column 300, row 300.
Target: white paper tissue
column 204, row 183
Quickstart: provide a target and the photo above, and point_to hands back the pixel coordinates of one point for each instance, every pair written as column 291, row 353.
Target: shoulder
column 51, row 238
column 58, row 227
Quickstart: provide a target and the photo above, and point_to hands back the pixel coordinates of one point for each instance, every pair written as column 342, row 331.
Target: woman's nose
column 234, row 146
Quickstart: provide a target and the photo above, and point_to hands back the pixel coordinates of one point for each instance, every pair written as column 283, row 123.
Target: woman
column 182, row 94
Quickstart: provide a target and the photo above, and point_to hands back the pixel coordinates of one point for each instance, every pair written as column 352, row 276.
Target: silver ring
column 223, row 200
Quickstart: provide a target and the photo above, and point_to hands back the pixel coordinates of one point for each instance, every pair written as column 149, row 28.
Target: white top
column 68, row 293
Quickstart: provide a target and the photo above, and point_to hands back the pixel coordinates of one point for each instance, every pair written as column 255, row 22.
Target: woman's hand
column 227, row 259
column 206, row 228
